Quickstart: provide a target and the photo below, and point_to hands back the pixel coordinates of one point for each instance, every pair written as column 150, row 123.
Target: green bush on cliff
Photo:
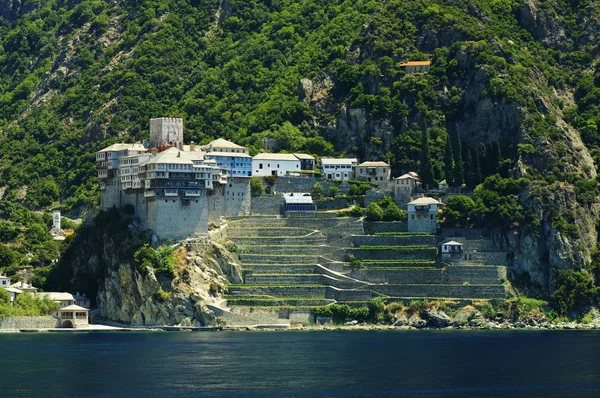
column 573, row 291
column 159, row 259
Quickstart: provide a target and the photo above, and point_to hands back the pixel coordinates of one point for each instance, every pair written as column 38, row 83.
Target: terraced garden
column 293, row 264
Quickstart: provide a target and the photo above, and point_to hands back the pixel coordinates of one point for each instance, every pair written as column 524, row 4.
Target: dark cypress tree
column 426, row 172
column 477, row 163
column 469, row 168
column 458, row 161
column 449, row 162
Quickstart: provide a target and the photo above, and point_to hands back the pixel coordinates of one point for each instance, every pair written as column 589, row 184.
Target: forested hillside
column 514, row 90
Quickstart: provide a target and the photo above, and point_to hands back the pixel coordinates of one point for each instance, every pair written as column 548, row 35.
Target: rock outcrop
column 200, row 277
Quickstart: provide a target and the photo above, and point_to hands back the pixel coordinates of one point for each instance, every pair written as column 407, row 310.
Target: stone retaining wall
column 468, row 233
column 267, row 205
column 233, row 232
column 442, row 291
column 373, row 227
column 29, row 322
column 292, row 249
column 389, row 240
column 280, row 291
column 280, row 240
column 335, row 203
column 394, row 254
column 452, row 275
column 285, row 279
column 350, row 295
column 280, row 268
column 277, row 259
column 498, row 258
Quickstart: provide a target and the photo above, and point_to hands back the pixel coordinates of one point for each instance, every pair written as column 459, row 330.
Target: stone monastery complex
column 177, row 189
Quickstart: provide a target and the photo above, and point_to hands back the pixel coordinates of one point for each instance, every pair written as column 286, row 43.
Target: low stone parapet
column 281, row 279
column 442, row 291
column 29, row 322
column 277, row 259
column 364, row 253
column 394, row 240
column 374, row 227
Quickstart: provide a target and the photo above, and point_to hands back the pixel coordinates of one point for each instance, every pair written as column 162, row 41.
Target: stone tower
column 167, row 131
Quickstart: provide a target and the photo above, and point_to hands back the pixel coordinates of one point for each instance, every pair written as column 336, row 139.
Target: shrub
column 256, row 186
column 393, row 213
column 573, row 290
column 355, row 264
column 376, row 309
column 359, row 314
column 333, row 191
column 374, row 212
column 323, row 311
column 356, row 211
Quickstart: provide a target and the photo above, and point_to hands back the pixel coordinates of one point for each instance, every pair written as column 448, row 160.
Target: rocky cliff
column 100, row 262
column 201, row 274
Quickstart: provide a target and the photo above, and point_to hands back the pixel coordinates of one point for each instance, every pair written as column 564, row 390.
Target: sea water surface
column 304, row 364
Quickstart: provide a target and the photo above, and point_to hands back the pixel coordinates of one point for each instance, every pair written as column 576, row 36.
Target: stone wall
column 391, row 240
column 465, row 233
column 373, row 196
column 237, row 197
column 498, row 258
column 172, row 218
column 375, row 227
column 334, row 203
column 304, row 184
column 267, row 205
column 29, row 322
column 442, row 291
column 486, row 275
column 394, row 254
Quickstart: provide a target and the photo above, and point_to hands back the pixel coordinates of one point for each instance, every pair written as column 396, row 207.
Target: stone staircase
column 282, row 261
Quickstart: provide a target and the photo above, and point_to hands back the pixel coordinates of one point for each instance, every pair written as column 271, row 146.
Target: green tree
column 449, row 162
column 374, row 212
column 457, row 213
column 426, row 169
column 256, row 186
column 333, row 191
column 393, row 213
column 458, row 172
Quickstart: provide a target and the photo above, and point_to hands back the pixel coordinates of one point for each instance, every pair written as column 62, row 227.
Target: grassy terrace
column 398, row 248
column 403, row 234
column 241, row 286
column 401, row 268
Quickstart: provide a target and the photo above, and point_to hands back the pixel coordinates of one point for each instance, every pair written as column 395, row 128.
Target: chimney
column 192, row 146
column 178, row 154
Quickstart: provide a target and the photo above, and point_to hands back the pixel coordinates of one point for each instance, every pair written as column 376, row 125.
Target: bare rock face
column 436, row 318
column 135, row 297
column 542, row 24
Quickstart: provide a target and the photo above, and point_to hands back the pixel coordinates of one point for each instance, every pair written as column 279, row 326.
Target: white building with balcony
column 422, row 215
column 338, row 169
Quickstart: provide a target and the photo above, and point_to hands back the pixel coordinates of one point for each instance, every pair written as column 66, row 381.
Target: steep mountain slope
column 513, row 89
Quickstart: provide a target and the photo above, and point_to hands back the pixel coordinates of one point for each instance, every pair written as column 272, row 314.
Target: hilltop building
column 338, row 169
column 274, row 164
column 377, row 172
column 176, row 189
column 422, row 215
column 416, row 66
column 307, row 162
column 4, row 281
column 281, row 164
column 405, row 186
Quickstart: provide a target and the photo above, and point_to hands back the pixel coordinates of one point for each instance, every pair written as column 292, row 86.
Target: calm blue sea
column 302, row 364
